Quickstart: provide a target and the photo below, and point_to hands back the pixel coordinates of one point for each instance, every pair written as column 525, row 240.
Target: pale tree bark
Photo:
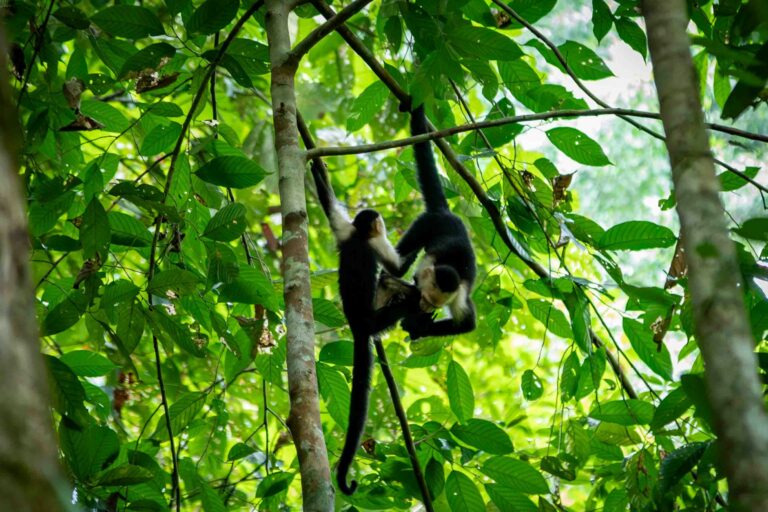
column 722, row 330
column 30, row 478
column 304, row 418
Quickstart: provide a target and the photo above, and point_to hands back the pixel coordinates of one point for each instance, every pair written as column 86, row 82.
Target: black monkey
column 447, row 271
column 362, row 243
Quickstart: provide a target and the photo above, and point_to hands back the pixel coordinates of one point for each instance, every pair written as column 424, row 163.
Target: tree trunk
column 722, row 329
column 30, row 478
column 304, row 418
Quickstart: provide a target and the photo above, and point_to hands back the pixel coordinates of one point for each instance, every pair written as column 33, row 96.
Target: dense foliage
column 149, row 167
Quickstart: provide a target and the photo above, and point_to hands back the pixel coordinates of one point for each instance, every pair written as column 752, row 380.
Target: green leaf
column 462, row 494
column 239, row 451
column 87, row 363
column 460, row 394
column 531, row 385
column 678, row 463
column 552, row 318
column 672, row 406
column 636, row 235
column 232, row 172
column 652, row 354
column 631, row 33
column 130, row 326
column 127, row 230
column 755, row 229
column 509, row 500
column 65, row 314
column 583, row 61
column 515, row 474
column 366, row 105
column 72, row 17
column 181, row 412
column 274, row 483
column 578, row 308
column 601, row 19
column 338, row 352
column 483, row 435
column 730, row 181
column 569, row 378
column 212, row 16
column 148, row 58
column 624, row 412
column 129, row 21
column 160, row 139
column 483, row 43
column 578, row 146
column 89, row 450
column 124, row 475
column 327, row 313
column 250, row 287
column 616, row 501
column 211, row 498
column 173, row 283
column 531, row 10
column 335, row 392
column 94, row 231
column 563, row 466
column 228, row 223
column 110, row 117
column 67, row 393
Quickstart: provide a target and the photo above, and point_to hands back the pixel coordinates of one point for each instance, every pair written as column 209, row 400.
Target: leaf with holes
column 173, row 283
column 483, row 43
column 462, row 494
column 531, row 385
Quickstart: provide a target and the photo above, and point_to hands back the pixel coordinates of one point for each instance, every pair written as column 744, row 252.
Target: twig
column 407, row 438
column 323, row 30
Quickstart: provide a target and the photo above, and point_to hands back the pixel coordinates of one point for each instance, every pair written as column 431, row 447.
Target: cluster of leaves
column 150, row 266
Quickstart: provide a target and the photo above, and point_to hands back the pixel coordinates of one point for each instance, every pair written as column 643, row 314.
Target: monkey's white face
column 432, row 297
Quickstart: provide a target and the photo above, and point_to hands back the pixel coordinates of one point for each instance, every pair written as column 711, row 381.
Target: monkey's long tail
column 358, row 408
column 429, row 180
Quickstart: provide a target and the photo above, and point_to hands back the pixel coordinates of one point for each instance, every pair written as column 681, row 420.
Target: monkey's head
column 369, row 224
column 439, row 285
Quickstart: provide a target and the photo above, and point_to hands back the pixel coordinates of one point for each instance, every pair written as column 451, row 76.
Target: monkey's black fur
column 358, row 273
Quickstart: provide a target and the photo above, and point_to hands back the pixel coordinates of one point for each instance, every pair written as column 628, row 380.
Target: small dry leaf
column 560, row 186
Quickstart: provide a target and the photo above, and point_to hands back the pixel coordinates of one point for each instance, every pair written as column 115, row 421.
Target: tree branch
column 323, row 30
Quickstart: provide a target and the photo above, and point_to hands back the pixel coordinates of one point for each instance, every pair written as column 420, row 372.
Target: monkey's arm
column 409, row 246
column 422, row 325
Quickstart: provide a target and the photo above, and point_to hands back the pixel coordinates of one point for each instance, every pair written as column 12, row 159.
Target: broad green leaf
column 601, row 19
column 223, row 266
column 616, row 501
column 162, row 108
column 338, row 353
column 239, row 451
column 562, row 466
column 483, row 43
column 127, row 230
column 124, row 475
column 462, row 494
column 130, row 326
column 569, row 378
column 730, row 181
column 755, row 229
column 578, row 308
column 129, row 21
column 211, row 498
column 335, row 392
column 232, row 172
column 72, row 17
column 251, row 287
column 578, row 146
column 274, row 483
column 160, row 139
column 148, row 58
column 366, row 105
column 483, row 435
column 67, row 393
column 327, row 313
column 173, row 283
column 65, row 314
column 228, row 223
column 118, row 294
column 509, row 499
column 635, row 235
column 531, row 10
column 87, row 363
column 171, row 331
column 670, row 408
column 652, row 354
column 460, row 394
column 181, row 412
column 110, row 117
column 632, row 34
column 552, row 318
column 94, row 231
column 212, row 16
column 531, row 385
column 89, row 450
column 583, row 61
column 624, row 412
column 515, row 474
column 678, row 463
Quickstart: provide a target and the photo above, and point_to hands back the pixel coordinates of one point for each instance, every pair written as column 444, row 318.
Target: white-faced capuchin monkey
column 362, row 243
column 446, row 273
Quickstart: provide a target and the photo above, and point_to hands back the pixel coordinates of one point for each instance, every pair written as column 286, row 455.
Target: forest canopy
column 185, row 276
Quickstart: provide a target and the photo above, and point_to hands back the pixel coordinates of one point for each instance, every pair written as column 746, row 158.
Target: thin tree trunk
column 30, row 477
column 722, row 330
column 304, row 418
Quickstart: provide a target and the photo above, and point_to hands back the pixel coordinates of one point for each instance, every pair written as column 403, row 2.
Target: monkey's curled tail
column 429, row 180
column 358, row 408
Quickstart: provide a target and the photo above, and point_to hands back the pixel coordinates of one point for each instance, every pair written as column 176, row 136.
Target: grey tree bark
column 30, row 477
column 304, row 418
column 722, row 330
